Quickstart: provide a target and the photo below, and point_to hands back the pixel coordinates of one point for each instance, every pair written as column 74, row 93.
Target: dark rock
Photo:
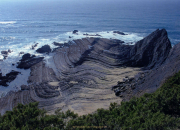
column 33, row 46
column 21, row 53
column 70, row 37
column 44, row 49
column 97, row 35
column 27, row 61
column 9, row 51
column 118, row 32
column 8, row 78
column 86, row 34
column 24, row 87
column 150, row 81
column 4, row 52
column 57, row 44
column 151, row 51
column 75, row 31
column 26, row 57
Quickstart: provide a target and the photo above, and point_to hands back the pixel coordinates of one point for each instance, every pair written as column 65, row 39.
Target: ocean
column 26, row 22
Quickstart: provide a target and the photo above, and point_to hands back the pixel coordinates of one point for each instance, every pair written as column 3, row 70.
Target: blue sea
column 26, row 22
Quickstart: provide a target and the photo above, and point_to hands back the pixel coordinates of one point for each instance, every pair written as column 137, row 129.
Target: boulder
column 44, row 49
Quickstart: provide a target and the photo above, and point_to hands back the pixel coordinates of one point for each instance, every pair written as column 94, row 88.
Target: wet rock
column 44, row 49
column 34, row 46
column 75, row 31
column 86, row 34
column 118, row 32
column 21, row 53
column 4, row 52
column 4, row 80
column 9, row 51
column 57, row 44
column 29, row 60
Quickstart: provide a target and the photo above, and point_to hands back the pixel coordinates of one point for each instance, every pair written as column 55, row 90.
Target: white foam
column 7, row 22
column 129, row 38
column 1, row 57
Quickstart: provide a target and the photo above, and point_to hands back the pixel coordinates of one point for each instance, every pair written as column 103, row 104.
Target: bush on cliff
column 29, row 117
column 157, row 111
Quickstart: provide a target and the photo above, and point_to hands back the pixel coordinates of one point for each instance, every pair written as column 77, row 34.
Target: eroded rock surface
column 151, row 51
column 82, row 73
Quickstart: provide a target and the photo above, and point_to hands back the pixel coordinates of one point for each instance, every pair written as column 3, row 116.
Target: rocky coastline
column 90, row 73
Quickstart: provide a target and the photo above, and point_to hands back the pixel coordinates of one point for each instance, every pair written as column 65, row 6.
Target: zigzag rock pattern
column 79, row 76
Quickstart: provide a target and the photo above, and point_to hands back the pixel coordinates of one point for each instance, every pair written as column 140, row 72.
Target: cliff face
column 82, row 73
column 151, row 51
column 151, row 80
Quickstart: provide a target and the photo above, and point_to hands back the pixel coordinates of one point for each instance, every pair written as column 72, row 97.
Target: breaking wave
column 7, row 22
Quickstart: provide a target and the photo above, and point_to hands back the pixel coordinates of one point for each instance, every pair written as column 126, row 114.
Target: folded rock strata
column 83, row 72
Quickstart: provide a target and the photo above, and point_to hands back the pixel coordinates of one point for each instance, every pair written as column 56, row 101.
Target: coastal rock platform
column 80, row 76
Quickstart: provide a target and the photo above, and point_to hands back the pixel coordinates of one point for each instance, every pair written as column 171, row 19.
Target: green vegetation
column 157, row 111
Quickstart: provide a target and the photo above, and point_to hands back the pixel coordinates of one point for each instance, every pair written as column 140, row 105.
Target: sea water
column 26, row 22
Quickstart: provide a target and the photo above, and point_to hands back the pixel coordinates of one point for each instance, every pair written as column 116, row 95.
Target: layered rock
column 151, row 80
column 151, row 51
column 83, row 72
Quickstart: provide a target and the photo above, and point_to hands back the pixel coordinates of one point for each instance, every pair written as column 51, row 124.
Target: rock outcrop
column 4, row 80
column 29, row 60
column 151, row 51
column 83, row 72
column 75, row 31
column 44, row 49
column 118, row 32
column 5, row 53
